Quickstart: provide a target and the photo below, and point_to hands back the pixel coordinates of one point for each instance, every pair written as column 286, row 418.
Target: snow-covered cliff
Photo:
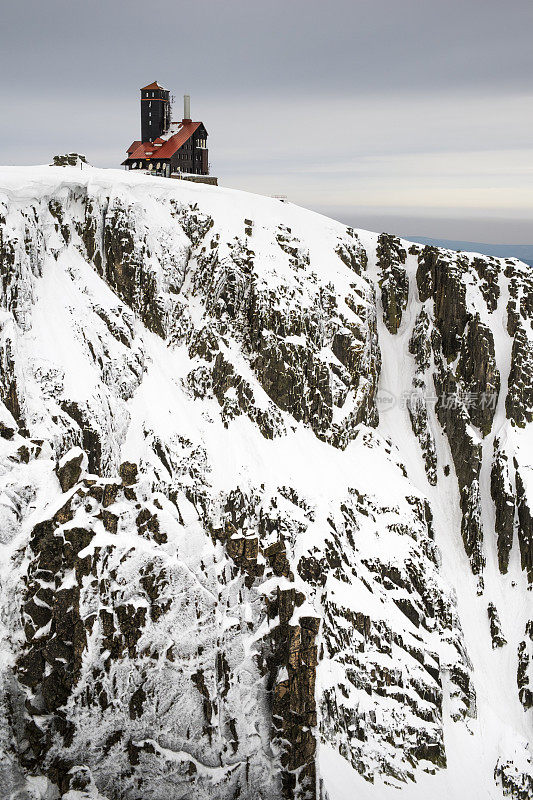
column 266, row 501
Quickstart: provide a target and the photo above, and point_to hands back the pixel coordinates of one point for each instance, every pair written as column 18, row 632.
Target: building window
column 158, row 165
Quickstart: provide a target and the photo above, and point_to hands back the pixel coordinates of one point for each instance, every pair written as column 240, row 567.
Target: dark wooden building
column 155, row 111
column 171, row 149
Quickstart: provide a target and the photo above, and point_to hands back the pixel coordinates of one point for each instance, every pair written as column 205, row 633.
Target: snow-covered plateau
column 266, row 502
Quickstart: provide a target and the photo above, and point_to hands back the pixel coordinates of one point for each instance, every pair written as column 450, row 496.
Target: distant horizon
column 439, row 230
column 504, row 233
column 465, row 241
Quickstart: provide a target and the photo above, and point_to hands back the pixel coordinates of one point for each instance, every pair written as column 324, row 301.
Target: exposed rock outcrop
column 393, row 280
column 498, row 640
column 503, row 494
column 525, row 661
column 69, row 468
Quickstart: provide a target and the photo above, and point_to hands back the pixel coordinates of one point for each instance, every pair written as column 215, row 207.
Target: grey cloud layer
column 352, row 86
column 258, row 45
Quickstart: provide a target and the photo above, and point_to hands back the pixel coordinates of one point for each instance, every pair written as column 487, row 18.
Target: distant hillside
column 522, row 251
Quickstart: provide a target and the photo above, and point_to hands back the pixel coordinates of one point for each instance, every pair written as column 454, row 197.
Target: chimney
column 186, row 108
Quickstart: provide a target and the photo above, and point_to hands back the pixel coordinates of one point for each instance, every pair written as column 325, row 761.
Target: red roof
column 163, row 148
column 175, row 142
column 133, row 145
column 153, row 85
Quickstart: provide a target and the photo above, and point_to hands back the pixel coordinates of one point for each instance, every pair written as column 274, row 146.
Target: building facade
column 167, row 148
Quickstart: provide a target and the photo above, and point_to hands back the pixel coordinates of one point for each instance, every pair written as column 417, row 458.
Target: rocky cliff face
column 265, row 505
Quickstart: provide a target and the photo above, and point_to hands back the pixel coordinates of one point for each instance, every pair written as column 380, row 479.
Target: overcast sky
column 414, row 116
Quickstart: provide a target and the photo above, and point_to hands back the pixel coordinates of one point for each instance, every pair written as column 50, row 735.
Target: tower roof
column 153, row 85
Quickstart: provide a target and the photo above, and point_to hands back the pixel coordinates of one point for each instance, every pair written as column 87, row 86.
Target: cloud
column 250, row 45
column 410, row 105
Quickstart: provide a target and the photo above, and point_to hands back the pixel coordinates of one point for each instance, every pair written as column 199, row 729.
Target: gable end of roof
column 153, row 85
